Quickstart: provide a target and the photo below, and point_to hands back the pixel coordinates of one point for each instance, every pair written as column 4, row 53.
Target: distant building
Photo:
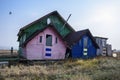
column 104, row 48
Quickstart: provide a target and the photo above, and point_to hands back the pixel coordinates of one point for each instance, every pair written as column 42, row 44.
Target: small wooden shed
column 49, row 30
column 82, row 44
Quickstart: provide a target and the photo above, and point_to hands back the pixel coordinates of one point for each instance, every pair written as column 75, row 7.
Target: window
column 48, row 21
column 85, row 42
column 40, row 39
column 48, row 40
column 85, row 51
column 103, row 43
column 56, row 40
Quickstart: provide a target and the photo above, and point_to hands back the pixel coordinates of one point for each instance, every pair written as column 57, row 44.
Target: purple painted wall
column 35, row 50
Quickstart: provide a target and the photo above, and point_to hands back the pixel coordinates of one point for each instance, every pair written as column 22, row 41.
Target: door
column 85, row 47
column 48, row 47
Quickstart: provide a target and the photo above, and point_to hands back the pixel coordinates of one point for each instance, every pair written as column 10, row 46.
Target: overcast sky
column 101, row 17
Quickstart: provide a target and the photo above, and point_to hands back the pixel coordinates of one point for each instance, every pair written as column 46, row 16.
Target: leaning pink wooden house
column 44, row 38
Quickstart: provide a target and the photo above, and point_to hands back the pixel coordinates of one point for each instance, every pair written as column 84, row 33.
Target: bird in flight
column 10, row 13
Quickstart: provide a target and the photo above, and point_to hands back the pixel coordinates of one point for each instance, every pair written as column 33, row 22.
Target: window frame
column 85, row 42
column 48, row 37
column 40, row 39
column 56, row 40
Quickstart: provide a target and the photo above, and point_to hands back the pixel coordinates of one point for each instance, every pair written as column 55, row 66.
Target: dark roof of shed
column 40, row 19
column 74, row 37
column 39, row 31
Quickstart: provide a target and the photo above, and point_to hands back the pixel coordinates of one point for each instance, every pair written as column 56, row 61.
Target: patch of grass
column 107, row 75
column 93, row 69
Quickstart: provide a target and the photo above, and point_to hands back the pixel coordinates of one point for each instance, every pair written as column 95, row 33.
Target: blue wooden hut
column 82, row 44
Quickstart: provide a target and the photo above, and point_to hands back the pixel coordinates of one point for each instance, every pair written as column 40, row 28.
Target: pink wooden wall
column 36, row 51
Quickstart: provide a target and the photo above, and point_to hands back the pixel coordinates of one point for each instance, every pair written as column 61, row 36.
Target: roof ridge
column 35, row 21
